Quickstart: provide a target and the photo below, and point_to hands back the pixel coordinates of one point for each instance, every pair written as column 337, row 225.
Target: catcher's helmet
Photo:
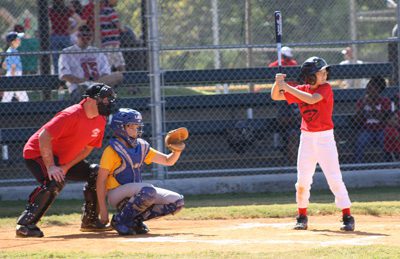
column 123, row 117
column 311, row 66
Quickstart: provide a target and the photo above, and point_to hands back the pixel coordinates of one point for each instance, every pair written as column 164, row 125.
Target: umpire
column 56, row 153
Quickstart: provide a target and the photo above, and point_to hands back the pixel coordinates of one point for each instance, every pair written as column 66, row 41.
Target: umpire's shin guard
column 39, row 201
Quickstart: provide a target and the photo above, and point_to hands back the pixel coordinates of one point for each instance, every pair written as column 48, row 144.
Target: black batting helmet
column 311, row 66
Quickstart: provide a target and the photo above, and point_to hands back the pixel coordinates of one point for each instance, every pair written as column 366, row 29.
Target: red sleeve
column 325, row 92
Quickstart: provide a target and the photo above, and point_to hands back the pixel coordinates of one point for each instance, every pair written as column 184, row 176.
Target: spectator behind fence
column 287, row 58
column 74, row 25
column 110, row 30
column 59, row 15
column 392, row 136
column 289, row 115
column 88, row 66
column 29, row 62
column 371, row 114
column 288, row 120
column 348, row 60
column 13, row 66
column 57, row 152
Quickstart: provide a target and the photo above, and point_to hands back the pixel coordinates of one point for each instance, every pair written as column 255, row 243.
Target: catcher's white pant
column 319, row 147
column 163, row 196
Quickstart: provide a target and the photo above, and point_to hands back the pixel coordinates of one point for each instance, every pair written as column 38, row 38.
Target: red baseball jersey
column 318, row 116
column 285, row 63
column 71, row 131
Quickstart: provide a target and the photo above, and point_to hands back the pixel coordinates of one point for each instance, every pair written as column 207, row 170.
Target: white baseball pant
column 163, row 196
column 319, row 147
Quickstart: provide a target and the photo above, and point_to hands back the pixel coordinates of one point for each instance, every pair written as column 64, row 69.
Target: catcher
column 120, row 178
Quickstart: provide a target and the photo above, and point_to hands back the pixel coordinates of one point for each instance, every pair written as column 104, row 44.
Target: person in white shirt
column 77, row 68
column 349, row 60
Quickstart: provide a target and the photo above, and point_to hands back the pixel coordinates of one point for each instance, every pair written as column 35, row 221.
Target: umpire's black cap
column 96, row 90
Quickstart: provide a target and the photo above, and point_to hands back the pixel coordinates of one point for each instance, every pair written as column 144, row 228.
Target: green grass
column 355, row 252
column 367, row 201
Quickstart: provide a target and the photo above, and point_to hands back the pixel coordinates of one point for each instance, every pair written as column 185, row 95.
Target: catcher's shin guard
column 39, row 201
column 160, row 210
column 124, row 220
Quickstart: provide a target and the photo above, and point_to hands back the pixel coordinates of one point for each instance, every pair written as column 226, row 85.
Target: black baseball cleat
column 140, row 228
column 348, row 223
column 28, row 231
column 302, row 222
column 95, row 226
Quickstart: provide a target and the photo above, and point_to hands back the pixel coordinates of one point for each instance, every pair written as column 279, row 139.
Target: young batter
column 317, row 143
column 120, row 177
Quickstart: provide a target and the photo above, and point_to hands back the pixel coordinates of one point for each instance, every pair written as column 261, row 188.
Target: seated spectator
column 77, row 68
column 371, row 114
column 392, row 136
column 288, row 115
column 13, row 66
column 348, row 60
column 287, row 58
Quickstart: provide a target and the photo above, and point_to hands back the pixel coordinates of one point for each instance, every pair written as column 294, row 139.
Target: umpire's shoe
column 348, row 223
column 95, row 226
column 140, row 228
column 302, row 222
column 28, row 231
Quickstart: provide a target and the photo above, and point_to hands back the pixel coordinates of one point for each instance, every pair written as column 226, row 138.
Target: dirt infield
column 169, row 236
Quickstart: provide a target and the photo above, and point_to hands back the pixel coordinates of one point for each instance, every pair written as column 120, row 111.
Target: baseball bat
column 278, row 38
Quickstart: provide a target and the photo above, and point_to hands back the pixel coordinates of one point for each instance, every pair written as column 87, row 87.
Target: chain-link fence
column 206, row 65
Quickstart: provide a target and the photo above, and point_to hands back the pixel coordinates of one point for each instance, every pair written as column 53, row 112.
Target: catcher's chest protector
column 130, row 170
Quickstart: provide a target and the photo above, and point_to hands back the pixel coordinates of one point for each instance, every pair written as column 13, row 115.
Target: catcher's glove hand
column 174, row 140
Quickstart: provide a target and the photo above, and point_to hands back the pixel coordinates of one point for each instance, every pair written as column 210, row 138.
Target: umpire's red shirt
column 71, row 131
column 318, row 116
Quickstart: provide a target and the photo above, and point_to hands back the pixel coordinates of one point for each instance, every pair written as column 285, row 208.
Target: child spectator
column 13, row 66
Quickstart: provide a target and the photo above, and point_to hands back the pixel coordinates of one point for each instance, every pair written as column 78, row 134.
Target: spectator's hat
column 287, row 52
column 346, row 50
column 11, row 36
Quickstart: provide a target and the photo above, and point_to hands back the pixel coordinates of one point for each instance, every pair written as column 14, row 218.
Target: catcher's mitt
column 174, row 140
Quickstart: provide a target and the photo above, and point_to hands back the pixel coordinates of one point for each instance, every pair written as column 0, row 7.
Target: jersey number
column 90, row 70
